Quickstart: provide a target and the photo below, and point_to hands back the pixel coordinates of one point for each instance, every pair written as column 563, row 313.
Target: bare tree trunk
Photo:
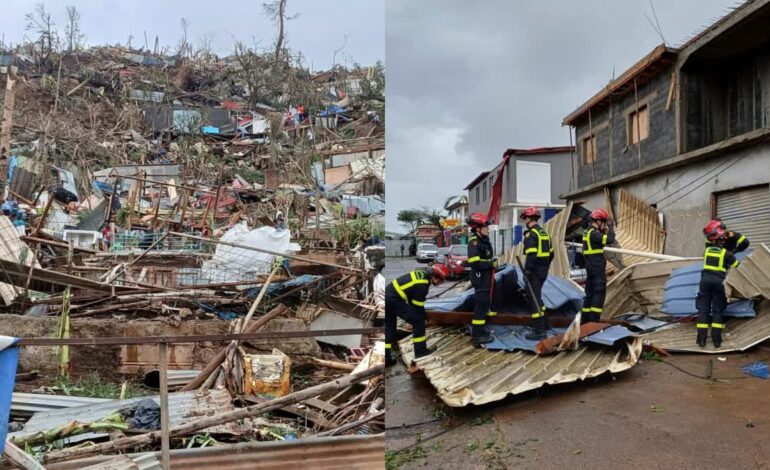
column 281, row 20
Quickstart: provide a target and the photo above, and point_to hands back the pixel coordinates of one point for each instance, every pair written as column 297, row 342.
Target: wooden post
column 47, row 208
column 164, row 425
column 5, row 129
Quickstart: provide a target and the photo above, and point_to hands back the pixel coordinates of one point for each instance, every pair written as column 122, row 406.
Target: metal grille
column 747, row 211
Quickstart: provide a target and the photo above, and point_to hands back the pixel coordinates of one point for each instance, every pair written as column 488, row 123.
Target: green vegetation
column 93, row 386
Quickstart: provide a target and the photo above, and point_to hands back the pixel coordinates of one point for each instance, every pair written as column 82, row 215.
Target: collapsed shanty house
column 206, row 226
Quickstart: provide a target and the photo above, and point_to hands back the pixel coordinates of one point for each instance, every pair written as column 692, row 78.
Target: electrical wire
column 691, row 374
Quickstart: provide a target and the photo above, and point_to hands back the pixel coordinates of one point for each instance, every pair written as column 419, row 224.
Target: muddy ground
column 652, row 416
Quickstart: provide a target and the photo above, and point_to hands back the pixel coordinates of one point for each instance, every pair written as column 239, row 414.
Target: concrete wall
column 687, row 204
column 614, row 155
column 561, row 177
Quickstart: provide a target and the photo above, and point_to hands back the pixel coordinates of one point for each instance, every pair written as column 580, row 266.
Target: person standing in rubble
column 483, row 263
column 712, row 300
column 538, row 250
column 405, row 298
column 595, row 238
column 735, row 241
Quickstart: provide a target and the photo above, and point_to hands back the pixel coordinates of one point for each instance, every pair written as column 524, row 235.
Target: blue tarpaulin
column 681, row 290
column 278, row 287
column 757, row 369
column 9, row 358
column 558, row 295
column 512, row 338
column 332, row 110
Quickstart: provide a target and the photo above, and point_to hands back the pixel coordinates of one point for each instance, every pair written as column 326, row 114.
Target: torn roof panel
column 738, row 335
column 681, row 290
column 463, row 374
column 513, row 338
column 752, row 277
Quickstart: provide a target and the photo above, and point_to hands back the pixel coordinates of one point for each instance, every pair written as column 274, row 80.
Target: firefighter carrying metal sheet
column 539, row 252
column 595, row 238
column 483, row 263
column 405, row 298
column 712, row 300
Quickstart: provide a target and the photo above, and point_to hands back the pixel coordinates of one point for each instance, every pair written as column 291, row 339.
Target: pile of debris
column 650, row 304
column 147, row 197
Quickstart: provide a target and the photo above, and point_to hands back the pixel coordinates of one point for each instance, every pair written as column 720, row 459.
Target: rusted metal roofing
column 541, row 150
column 183, row 406
column 463, row 374
column 739, row 334
column 338, row 452
column 475, row 181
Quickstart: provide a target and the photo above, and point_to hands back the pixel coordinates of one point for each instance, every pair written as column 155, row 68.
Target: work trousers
column 396, row 307
column 711, row 301
column 482, row 296
column 536, row 274
column 596, row 291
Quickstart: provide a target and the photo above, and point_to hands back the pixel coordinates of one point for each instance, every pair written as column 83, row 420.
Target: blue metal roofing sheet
column 681, row 289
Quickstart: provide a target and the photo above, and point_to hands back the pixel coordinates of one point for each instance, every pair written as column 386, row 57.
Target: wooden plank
column 164, row 423
column 20, row 458
column 549, row 345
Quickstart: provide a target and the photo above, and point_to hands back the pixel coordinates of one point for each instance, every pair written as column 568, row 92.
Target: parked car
column 458, row 255
column 441, row 255
column 426, row 252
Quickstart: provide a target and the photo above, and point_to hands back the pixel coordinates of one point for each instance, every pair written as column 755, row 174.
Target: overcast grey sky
column 466, row 80
column 317, row 32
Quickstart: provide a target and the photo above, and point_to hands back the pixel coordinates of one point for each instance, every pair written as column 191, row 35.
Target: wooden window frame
column 584, row 161
column 634, row 113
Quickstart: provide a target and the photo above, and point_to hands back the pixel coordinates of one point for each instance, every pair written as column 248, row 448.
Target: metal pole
column 164, row 425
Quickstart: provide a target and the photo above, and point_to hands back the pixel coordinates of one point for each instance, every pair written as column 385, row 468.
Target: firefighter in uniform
column 405, row 298
column 482, row 262
column 711, row 300
column 735, row 241
column 539, row 252
column 595, row 238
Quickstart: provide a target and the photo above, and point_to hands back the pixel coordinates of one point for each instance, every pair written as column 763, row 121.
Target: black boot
column 389, row 361
column 539, row 326
column 702, row 335
column 588, row 317
column 716, row 336
column 421, row 349
column 480, row 335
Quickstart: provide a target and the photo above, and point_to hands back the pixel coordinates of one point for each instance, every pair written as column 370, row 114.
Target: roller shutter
column 746, row 211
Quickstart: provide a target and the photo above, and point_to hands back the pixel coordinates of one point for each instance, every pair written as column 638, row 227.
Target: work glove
column 495, row 262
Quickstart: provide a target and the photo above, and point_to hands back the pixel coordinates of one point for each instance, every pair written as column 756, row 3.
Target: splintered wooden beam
column 551, row 343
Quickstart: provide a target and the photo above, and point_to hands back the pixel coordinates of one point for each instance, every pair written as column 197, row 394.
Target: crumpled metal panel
column 463, row 374
column 513, row 338
column 337, row 452
column 27, row 404
column 738, row 335
column 556, row 228
column 638, row 227
column 183, row 407
column 752, row 277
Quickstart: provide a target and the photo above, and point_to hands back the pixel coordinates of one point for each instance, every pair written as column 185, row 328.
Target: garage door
column 747, row 211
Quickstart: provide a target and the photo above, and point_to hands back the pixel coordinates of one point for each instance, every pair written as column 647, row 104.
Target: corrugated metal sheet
column 26, row 404
column 12, row 249
column 752, row 277
column 513, row 338
column 639, row 287
column 182, row 407
column 746, row 211
column 681, row 290
column 638, row 227
column 337, row 452
column 556, row 228
column 739, row 335
column 463, row 374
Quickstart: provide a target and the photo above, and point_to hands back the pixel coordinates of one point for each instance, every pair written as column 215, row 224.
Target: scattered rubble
column 148, row 197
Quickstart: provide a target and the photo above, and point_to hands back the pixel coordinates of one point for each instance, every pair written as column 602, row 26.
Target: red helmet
column 712, row 227
column 533, row 212
column 478, row 219
column 440, row 271
column 717, row 234
column 600, row 214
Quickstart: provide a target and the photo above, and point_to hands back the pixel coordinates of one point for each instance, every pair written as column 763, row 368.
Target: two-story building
column 688, row 131
column 532, row 177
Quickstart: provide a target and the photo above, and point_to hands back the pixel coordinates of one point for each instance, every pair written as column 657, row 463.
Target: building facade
column 688, row 131
column 532, row 177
